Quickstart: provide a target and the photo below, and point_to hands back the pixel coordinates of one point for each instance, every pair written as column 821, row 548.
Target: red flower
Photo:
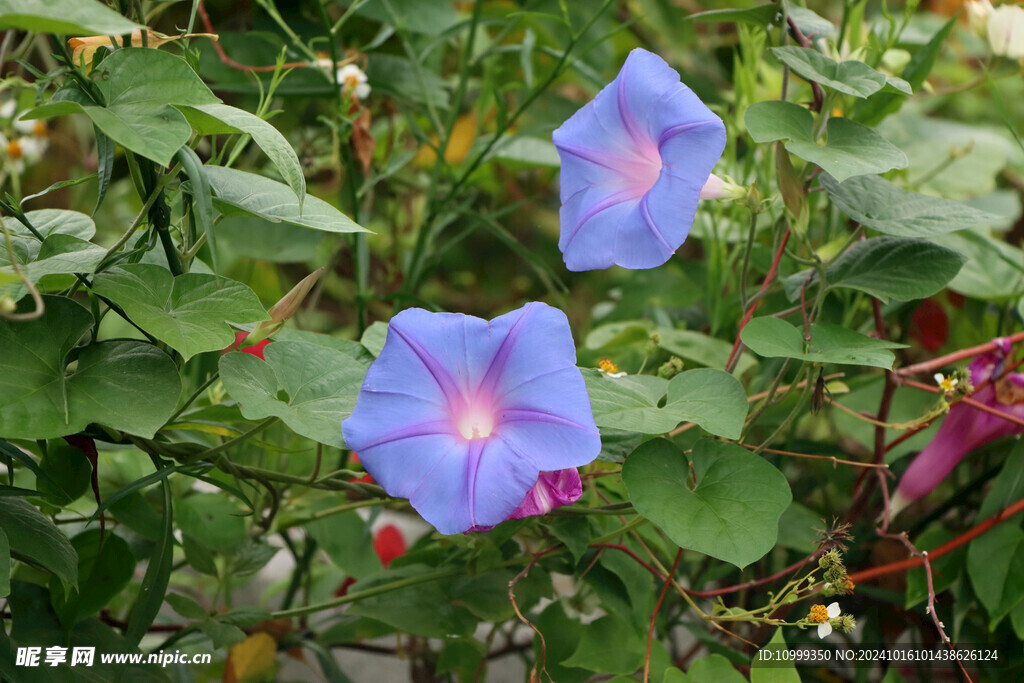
column 389, row 544
column 929, row 325
column 255, row 350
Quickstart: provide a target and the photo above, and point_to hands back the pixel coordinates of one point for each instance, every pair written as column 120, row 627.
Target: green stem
column 231, row 442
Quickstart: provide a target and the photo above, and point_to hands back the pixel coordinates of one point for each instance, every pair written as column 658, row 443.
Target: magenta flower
column 634, row 161
column 552, row 490
column 462, row 415
column 966, row 428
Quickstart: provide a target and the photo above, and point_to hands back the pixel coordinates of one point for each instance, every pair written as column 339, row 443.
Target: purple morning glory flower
column 462, row 415
column 966, row 428
column 634, row 161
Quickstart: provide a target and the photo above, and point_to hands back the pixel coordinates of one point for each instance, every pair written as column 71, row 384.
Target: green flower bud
column 670, row 368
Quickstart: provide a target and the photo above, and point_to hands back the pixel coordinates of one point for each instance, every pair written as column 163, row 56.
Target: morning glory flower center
column 475, row 421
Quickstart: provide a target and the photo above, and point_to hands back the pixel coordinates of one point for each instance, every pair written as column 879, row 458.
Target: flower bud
column 283, row 309
column 653, row 344
column 7, row 304
column 670, row 368
column 846, row 623
column 722, row 187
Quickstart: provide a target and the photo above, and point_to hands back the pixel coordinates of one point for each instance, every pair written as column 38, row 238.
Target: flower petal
column 552, row 490
column 963, row 430
column 479, row 483
column 824, row 629
column 833, row 610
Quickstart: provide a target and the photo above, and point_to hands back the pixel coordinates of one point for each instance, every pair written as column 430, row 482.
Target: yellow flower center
column 351, row 82
column 819, row 614
column 39, row 129
column 14, row 149
column 605, row 365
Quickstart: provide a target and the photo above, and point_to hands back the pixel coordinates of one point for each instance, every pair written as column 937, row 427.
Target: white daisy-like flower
column 825, row 627
column 353, row 80
column 610, row 369
column 947, row 384
column 12, row 153
column 8, row 109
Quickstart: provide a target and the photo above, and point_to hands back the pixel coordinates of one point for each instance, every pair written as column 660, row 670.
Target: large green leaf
column 311, row 388
column 58, row 254
column 994, row 269
column 894, row 267
column 423, row 609
column 33, row 538
column 594, row 654
column 190, row 312
column 213, row 520
column 247, row 194
column 887, row 208
column 995, row 558
column 851, row 149
column 775, row 338
column 139, row 85
column 105, row 566
column 851, row 77
column 347, row 540
column 420, row 16
column 208, row 119
column 713, row 399
column 64, row 16
column 54, row 221
column 127, row 385
column 732, row 513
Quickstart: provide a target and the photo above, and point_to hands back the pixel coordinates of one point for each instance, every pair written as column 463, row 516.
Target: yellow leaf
column 85, row 47
column 463, row 135
column 251, row 660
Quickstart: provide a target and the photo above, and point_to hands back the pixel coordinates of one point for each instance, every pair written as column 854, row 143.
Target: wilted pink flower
column 552, row 490
column 966, row 428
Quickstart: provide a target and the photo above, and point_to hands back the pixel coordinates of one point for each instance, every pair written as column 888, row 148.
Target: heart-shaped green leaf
column 775, row 338
column 43, row 397
column 732, row 513
column 850, row 149
column 711, row 398
column 311, row 388
column 190, row 312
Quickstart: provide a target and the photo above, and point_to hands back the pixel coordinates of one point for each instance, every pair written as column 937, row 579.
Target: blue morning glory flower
column 461, row 415
column 634, row 161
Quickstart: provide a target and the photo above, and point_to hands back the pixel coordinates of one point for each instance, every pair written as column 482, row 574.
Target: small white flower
column 8, row 109
column 947, row 384
column 353, row 80
column 1006, row 31
column 825, row 628
column 11, row 153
